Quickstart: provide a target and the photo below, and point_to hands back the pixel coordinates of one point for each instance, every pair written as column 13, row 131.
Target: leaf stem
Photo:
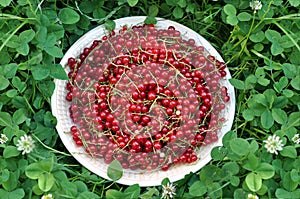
column 245, row 40
column 12, row 34
column 51, row 149
column 4, row 16
column 29, row 106
column 259, row 131
column 287, row 34
column 287, row 17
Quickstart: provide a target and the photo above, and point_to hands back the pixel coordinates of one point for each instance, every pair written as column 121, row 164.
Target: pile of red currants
column 147, row 97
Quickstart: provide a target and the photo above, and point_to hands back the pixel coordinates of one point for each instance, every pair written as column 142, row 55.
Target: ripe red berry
column 151, row 95
column 135, row 93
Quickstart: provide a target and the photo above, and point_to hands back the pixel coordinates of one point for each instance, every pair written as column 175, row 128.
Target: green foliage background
column 261, row 50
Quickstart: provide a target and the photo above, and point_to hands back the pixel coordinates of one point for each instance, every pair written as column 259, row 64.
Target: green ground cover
column 260, row 42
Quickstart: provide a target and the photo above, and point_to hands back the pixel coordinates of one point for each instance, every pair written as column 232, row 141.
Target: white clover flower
column 296, row 138
column 3, row 139
column 252, row 196
column 255, row 5
column 58, row 43
column 168, row 191
column 273, row 144
column 25, row 144
column 58, row 21
column 48, row 196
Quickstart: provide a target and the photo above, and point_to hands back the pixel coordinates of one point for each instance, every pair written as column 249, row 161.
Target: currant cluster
column 146, row 97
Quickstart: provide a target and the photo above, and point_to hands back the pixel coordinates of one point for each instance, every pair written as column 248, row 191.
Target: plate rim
column 100, row 31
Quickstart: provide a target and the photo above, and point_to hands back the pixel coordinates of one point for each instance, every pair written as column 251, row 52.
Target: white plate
column 60, row 109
